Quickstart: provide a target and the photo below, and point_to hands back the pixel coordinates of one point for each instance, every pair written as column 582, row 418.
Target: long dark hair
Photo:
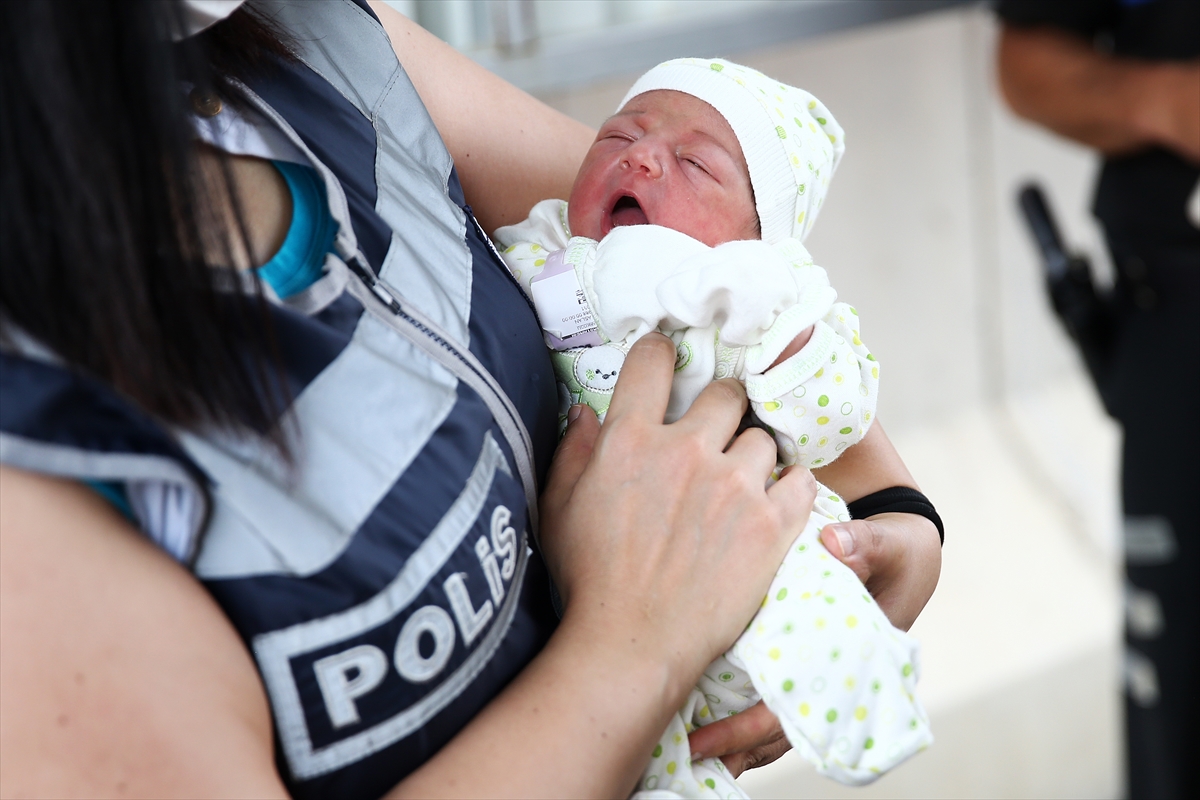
column 104, row 214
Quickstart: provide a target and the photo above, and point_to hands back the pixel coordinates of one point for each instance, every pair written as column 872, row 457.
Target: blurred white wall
column 983, row 396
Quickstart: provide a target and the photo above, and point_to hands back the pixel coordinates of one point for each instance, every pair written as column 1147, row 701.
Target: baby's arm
column 796, row 344
column 822, row 399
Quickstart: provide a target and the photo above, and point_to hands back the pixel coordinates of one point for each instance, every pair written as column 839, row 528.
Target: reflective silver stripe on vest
column 275, row 650
column 362, row 421
column 394, row 119
column 404, row 142
column 410, row 324
column 408, row 145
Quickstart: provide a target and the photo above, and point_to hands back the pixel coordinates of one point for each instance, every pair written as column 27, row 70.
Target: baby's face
column 667, row 158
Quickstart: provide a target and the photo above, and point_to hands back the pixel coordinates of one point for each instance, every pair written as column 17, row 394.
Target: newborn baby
column 687, row 217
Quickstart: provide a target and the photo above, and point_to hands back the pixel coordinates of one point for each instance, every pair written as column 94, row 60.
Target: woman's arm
column 511, row 150
column 119, row 675
column 869, row 466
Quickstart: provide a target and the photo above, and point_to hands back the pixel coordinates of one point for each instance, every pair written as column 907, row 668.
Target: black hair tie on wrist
column 898, row 499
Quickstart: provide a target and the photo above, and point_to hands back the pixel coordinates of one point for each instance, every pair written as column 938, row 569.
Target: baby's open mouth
column 628, row 211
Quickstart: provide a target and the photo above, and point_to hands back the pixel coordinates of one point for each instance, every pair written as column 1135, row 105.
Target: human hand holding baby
column 716, row 514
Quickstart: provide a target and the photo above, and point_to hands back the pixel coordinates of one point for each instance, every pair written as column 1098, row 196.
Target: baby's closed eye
column 697, row 164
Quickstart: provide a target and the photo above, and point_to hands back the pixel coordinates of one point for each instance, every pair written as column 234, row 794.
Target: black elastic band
column 898, row 499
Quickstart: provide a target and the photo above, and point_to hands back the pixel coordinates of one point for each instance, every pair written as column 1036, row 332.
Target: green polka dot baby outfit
column 820, row 652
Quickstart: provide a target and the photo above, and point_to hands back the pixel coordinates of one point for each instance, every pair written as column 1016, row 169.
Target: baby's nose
column 645, row 156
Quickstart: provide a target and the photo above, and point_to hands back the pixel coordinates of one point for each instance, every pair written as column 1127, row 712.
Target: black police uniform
column 1151, row 383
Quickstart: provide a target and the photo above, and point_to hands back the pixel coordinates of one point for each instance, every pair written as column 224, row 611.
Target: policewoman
column 277, row 503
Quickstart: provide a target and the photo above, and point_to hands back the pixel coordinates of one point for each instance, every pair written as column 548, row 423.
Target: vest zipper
column 416, row 328
column 426, row 335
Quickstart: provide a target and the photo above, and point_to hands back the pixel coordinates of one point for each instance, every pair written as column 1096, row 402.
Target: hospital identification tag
column 562, row 305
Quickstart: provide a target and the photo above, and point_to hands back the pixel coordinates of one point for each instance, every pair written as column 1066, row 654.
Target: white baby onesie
column 819, row 652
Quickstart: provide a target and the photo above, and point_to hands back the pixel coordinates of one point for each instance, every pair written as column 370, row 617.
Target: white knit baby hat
column 791, row 142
